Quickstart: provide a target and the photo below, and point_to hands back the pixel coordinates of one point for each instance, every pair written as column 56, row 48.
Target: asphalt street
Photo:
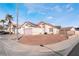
column 75, row 51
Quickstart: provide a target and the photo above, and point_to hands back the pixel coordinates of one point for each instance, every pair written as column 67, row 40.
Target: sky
column 61, row 14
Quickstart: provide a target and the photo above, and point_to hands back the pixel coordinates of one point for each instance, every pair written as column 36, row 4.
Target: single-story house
column 49, row 28
column 29, row 28
column 67, row 30
column 77, row 30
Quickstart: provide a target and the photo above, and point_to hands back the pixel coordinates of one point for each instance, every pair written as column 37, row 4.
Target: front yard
column 42, row 39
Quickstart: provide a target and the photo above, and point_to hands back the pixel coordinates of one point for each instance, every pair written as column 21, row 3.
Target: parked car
column 4, row 32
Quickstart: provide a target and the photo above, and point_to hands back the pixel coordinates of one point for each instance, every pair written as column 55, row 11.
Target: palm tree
column 1, row 27
column 14, row 27
column 2, row 21
column 9, row 18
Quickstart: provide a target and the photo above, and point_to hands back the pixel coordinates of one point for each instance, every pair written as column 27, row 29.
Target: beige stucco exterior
column 39, row 30
column 49, row 29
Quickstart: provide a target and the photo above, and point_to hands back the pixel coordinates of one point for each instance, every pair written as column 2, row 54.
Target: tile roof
column 49, row 24
column 30, row 24
column 66, row 28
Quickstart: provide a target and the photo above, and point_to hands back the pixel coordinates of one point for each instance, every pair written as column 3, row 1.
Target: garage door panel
column 28, row 31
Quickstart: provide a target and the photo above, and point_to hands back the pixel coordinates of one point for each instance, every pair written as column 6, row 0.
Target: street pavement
column 75, row 51
column 10, row 47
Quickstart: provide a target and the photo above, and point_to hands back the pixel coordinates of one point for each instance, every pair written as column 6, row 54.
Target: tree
column 14, row 27
column 9, row 18
column 2, row 21
column 1, row 27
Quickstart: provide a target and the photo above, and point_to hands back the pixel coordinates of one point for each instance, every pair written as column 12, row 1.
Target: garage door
column 28, row 31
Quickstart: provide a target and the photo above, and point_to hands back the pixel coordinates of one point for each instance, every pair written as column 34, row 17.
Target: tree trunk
column 9, row 27
column 3, row 25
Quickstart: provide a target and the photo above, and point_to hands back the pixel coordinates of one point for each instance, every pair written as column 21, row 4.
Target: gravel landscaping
column 42, row 39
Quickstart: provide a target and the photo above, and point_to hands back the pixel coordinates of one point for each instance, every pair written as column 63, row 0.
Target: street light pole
column 17, row 13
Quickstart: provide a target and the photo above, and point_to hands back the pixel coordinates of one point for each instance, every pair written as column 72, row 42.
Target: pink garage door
column 28, row 31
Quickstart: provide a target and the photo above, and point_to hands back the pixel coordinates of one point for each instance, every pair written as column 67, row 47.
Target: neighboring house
column 49, row 28
column 29, row 28
column 67, row 30
column 77, row 31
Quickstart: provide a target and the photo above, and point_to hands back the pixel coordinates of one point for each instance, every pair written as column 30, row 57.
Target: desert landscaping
column 42, row 39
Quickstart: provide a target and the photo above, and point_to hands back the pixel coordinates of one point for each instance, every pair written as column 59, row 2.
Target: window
column 50, row 29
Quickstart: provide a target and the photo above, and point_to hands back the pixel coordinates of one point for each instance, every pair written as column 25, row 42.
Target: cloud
column 31, row 7
column 50, row 18
column 43, row 9
column 39, row 8
column 69, row 8
column 62, row 8
column 57, row 8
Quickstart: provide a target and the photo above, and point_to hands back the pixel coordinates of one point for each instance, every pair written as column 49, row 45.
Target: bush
column 45, row 33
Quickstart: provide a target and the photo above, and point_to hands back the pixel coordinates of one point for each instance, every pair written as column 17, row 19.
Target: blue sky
column 63, row 14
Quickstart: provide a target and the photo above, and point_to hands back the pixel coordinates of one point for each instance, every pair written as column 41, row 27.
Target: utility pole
column 17, row 13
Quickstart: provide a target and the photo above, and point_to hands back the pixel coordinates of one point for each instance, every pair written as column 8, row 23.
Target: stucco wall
column 47, row 29
column 55, row 31
column 77, row 32
column 21, row 31
column 36, row 31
